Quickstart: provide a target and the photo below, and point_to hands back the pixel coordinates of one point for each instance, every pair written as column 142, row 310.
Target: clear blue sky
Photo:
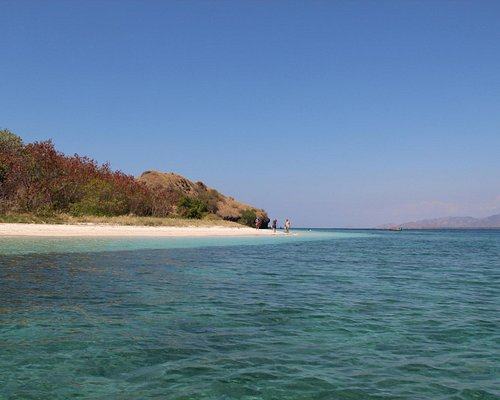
column 330, row 113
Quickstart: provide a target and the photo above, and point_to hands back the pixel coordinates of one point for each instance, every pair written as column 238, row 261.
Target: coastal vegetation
column 38, row 183
column 123, row 220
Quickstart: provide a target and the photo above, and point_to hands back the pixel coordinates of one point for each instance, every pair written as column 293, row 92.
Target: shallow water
column 42, row 245
column 323, row 315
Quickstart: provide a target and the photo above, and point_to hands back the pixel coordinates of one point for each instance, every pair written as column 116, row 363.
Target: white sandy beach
column 97, row 230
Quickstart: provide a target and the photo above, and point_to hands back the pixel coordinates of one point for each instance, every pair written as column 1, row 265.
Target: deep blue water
column 323, row 315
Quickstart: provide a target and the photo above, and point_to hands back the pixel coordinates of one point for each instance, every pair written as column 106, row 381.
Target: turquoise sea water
column 322, row 315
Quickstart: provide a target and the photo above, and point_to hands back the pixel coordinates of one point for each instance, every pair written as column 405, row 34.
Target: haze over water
column 406, row 315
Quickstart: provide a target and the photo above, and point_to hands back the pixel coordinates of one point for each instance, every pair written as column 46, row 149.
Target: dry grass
column 128, row 220
column 226, row 207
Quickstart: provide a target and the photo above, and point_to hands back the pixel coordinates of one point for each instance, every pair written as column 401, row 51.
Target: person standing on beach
column 275, row 222
column 257, row 223
column 287, row 226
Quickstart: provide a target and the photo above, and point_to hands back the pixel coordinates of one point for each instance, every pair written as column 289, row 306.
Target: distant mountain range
column 493, row 221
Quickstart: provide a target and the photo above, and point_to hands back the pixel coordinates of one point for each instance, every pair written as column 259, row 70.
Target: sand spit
column 104, row 230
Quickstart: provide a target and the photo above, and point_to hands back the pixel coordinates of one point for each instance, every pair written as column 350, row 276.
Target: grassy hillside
column 39, row 182
column 178, row 189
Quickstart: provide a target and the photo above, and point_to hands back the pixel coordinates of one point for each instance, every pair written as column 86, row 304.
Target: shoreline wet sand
column 107, row 230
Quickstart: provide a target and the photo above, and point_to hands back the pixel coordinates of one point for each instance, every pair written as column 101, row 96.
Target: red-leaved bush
column 37, row 178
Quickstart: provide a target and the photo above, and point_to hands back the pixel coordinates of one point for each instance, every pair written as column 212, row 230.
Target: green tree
column 192, row 208
column 9, row 142
column 10, row 148
column 248, row 217
column 99, row 199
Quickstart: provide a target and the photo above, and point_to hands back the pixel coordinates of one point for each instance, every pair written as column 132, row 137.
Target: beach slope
column 106, row 230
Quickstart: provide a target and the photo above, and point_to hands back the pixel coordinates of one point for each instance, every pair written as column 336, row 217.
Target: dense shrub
column 9, row 142
column 99, row 199
column 38, row 179
column 192, row 208
column 248, row 217
column 163, row 201
column 11, row 148
column 210, row 198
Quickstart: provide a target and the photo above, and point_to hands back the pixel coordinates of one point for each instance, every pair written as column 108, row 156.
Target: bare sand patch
column 106, row 230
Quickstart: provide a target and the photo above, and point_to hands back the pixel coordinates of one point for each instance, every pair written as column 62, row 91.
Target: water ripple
column 409, row 315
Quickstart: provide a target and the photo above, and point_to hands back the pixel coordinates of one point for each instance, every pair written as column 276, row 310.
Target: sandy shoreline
column 96, row 230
